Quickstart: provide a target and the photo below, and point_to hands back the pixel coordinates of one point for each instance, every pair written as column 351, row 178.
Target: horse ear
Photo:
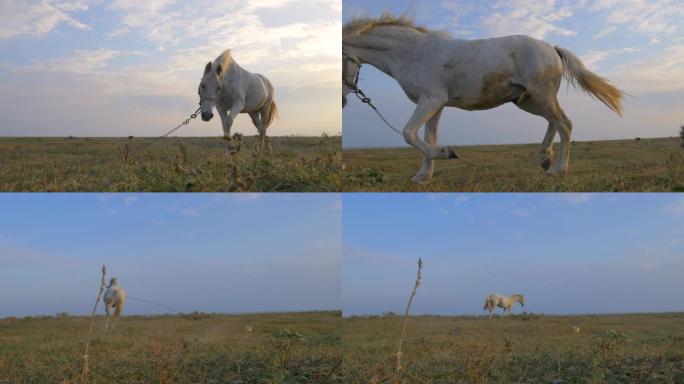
column 207, row 68
column 219, row 69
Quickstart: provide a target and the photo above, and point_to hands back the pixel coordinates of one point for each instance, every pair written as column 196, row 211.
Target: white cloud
column 81, row 61
column 650, row 18
column 592, row 58
column 605, row 32
column 443, row 211
column 661, row 72
column 38, row 18
column 536, row 19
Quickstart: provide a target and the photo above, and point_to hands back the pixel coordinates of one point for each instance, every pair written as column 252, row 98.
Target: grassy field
column 196, row 348
column 172, row 164
column 622, row 165
column 639, row 348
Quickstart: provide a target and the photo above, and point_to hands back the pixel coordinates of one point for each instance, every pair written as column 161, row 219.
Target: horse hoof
column 420, row 179
column 546, row 164
column 449, row 153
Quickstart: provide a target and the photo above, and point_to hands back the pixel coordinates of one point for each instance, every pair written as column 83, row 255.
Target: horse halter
column 352, row 86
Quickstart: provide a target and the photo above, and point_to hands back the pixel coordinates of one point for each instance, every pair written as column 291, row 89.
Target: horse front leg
column 228, row 118
column 106, row 316
column 431, row 135
column 425, row 109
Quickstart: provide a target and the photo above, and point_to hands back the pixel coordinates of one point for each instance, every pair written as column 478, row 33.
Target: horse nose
column 206, row 116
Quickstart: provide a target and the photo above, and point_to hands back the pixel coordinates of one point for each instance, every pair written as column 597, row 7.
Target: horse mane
column 361, row 25
column 225, row 59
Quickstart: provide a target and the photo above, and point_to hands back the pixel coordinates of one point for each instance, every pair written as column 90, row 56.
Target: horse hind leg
column 117, row 314
column 547, row 107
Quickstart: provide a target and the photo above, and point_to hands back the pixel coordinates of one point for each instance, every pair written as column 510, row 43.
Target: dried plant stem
column 84, row 372
column 397, row 366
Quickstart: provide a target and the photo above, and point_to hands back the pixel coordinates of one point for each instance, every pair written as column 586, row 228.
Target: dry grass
column 638, row 348
column 172, row 164
column 595, row 166
column 199, row 348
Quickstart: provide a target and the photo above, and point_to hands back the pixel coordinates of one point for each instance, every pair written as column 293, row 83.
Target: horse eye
column 202, row 86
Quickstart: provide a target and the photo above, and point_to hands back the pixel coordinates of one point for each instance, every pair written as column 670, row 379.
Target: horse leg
column 565, row 130
column 106, row 316
column 528, row 104
column 258, row 121
column 227, row 119
column 546, row 106
column 431, row 134
column 425, row 109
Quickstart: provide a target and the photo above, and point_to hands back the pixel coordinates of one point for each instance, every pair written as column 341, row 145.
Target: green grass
column 637, row 348
column 196, row 348
column 172, row 164
column 595, row 166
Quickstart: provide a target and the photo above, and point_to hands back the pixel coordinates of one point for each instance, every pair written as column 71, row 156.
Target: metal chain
column 354, row 88
column 185, row 122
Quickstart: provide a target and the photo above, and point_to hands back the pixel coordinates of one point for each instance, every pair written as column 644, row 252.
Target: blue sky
column 130, row 67
column 638, row 45
column 194, row 252
column 567, row 253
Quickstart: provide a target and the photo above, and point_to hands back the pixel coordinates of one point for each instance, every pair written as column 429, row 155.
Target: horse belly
column 496, row 89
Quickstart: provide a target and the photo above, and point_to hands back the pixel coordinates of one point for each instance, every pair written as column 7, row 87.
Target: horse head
column 209, row 87
column 351, row 65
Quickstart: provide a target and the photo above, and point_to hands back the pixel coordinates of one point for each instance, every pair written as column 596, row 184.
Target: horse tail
column 272, row 112
column 576, row 73
column 118, row 305
column 486, row 304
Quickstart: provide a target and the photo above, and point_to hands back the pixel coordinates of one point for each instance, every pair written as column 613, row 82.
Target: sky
column 227, row 253
column 567, row 253
column 636, row 44
column 125, row 67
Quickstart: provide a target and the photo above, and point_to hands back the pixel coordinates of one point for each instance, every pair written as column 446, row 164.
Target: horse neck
column 383, row 48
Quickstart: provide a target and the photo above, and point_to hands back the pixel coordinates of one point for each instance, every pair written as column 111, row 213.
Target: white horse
column 437, row 71
column 114, row 297
column 506, row 302
column 232, row 88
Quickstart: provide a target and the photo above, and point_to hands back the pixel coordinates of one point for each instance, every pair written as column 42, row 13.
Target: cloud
column 81, row 61
column 38, row 18
column 605, row 32
column 650, row 18
column 592, row 58
column 536, row 19
column 659, row 73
